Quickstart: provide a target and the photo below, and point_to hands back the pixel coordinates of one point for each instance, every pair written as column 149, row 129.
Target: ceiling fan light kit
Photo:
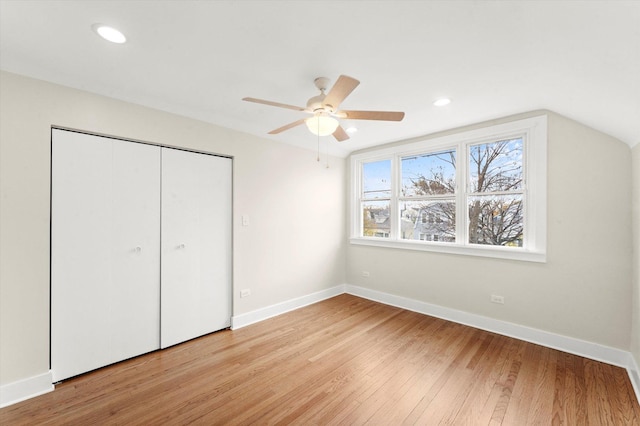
column 322, row 124
column 324, row 108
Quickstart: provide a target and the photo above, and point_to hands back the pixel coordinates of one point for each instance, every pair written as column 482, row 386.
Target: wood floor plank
column 544, row 394
column 342, row 361
column 487, row 371
column 504, row 387
column 561, row 402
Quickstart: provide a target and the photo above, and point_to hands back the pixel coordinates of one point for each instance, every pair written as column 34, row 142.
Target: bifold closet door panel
column 196, row 245
column 105, row 251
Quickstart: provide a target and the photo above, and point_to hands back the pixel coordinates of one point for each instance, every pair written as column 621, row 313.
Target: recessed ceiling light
column 109, row 33
column 442, row 102
column 352, row 129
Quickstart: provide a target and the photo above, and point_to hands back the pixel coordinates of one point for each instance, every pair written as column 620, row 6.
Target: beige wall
column 635, row 328
column 583, row 291
column 295, row 244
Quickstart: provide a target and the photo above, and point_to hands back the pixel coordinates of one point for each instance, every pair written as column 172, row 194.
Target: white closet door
column 196, row 245
column 105, row 251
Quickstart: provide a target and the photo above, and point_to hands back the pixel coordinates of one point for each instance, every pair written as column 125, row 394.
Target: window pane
column 428, row 220
column 496, row 166
column 429, row 174
column 375, row 219
column 376, row 179
column 496, row 220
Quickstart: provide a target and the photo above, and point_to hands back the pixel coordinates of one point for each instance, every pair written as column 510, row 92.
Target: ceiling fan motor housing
column 316, row 103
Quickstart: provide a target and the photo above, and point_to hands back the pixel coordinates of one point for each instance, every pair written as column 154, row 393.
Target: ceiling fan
column 324, row 108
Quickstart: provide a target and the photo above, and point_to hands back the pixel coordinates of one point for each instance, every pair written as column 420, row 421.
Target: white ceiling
column 200, row 58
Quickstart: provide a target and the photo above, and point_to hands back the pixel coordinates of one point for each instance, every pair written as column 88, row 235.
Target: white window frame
column 534, row 133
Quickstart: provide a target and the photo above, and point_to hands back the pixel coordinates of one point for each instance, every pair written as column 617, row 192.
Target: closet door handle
column 138, row 249
column 181, row 246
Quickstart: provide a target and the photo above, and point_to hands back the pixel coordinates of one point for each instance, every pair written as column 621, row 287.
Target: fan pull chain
column 327, row 153
column 318, row 159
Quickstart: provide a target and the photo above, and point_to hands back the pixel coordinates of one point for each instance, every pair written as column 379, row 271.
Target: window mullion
column 527, row 225
column 513, row 192
column 394, row 205
column 357, row 188
column 462, row 188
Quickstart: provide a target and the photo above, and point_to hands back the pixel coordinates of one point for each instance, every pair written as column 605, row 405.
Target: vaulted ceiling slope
column 200, row 58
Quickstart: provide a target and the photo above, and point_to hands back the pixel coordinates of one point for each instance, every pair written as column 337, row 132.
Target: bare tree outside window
column 496, row 200
column 495, row 193
column 428, row 191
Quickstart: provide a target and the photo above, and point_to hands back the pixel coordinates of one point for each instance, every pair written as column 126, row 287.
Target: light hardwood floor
column 345, row 360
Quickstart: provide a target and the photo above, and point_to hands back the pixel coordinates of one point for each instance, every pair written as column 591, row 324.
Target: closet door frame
column 160, row 147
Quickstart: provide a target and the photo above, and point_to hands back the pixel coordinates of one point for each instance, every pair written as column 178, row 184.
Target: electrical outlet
column 365, row 274
column 245, row 293
column 497, row 299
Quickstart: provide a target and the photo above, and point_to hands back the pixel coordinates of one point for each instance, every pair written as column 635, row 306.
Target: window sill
column 482, row 251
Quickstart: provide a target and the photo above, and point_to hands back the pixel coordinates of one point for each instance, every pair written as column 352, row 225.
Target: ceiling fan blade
column 343, row 87
column 340, row 134
column 275, row 104
column 287, row 126
column 371, row 115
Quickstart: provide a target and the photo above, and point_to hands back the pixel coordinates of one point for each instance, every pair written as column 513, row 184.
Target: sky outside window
column 429, row 174
column 376, row 177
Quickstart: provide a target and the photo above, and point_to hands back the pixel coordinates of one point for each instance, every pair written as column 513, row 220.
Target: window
column 428, row 190
column 481, row 192
column 376, row 198
column 495, row 195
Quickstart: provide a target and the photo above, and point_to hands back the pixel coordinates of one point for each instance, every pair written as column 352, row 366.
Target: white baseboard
column 242, row 320
column 634, row 375
column 571, row 345
column 21, row 390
